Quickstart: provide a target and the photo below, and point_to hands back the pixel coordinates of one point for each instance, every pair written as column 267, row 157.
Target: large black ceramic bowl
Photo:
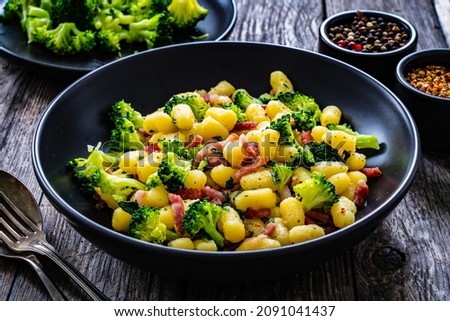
column 431, row 113
column 77, row 117
column 380, row 65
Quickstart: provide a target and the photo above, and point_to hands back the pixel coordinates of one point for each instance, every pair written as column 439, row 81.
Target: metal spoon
column 19, row 195
column 33, row 261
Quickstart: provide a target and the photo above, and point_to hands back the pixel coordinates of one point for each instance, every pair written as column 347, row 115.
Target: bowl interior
column 77, row 117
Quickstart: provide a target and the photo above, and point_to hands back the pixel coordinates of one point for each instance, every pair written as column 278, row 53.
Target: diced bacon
column 251, row 149
column 306, row 137
column 260, row 162
column 285, row 193
column 269, row 229
column 361, row 192
column 233, row 137
column 213, row 195
column 257, row 213
column 151, row 148
column 245, row 125
column 189, row 193
column 371, row 171
column 178, row 212
column 138, row 196
column 317, row 217
column 194, row 142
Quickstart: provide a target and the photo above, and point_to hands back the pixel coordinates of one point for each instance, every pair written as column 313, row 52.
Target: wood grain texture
column 406, row 258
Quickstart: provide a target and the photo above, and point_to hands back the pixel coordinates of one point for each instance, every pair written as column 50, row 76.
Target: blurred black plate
column 13, row 41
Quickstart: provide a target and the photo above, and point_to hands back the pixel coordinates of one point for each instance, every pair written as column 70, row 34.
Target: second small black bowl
column 430, row 112
column 380, row 65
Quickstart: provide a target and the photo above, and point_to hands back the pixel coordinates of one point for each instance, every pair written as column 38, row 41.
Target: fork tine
column 14, row 221
column 19, row 213
column 8, row 242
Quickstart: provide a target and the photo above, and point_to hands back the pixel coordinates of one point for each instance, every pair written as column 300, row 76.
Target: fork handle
column 53, row 291
column 48, row 250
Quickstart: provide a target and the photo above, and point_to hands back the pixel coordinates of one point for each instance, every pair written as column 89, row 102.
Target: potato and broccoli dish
column 221, row 169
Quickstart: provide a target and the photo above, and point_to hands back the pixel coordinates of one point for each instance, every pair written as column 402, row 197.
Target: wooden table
column 406, row 258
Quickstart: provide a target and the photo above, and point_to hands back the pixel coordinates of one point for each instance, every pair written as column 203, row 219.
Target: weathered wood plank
column 443, row 13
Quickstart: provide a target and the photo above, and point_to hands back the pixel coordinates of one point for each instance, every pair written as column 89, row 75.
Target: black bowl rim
column 343, row 15
column 77, row 218
column 402, row 66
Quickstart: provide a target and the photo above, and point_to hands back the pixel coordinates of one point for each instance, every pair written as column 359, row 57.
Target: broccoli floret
column 193, row 99
column 33, row 19
column 174, row 146
column 281, row 175
column 243, row 99
column 241, row 116
column 123, row 109
column 362, row 140
column 173, row 171
column 124, row 136
column 145, row 224
column 12, row 10
column 65, row 39
column 316, row 192
column 306, row 119
column 297, row 101
column 117, row 187
column 324, row 152
column 186, row 13
column 153, row 180
column 155, row 31
column 284, row 127
column 80, row 12
column 85, row 168
column 203, row 215
column 144, row 9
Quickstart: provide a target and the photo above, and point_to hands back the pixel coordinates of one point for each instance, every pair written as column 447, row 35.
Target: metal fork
column 28, row 237
column 33, row 261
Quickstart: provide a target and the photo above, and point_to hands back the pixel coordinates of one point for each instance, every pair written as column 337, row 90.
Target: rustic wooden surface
column 406, row 258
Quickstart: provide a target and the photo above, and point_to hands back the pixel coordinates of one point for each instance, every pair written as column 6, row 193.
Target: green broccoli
column 34, row 17
column 193, row 99
column 80, row 12
column 243, row 99
column 316, row 192
column 65, row 39
column 240, row 113
column 323, row 152
column 85, row 168
column 203, row 215
column 173, row 171
column 175, row 146
column 362, row 140
column 153, row 180
column 116, row 187
column 123, row 109
column 124, row 136
column 307, row 118
column 145, row 224
column 296, row 101
column 281, row 175
column 186, row 13
column 12, row 10
column 155, row 31
column 284, row 127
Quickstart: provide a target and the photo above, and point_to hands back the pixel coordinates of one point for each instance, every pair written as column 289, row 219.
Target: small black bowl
column 380, row 65
column 431, row 113
column 78, row 116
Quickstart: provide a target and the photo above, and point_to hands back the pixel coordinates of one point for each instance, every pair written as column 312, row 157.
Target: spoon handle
column 53, row 291
column 44, row 248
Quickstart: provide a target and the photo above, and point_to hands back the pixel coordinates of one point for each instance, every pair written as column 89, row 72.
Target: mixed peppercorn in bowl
column 372, row 41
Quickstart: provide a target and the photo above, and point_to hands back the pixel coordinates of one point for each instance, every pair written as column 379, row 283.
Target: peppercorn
column 431, row 79
column 369, row 34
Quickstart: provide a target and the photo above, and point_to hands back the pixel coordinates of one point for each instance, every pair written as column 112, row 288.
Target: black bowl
column 430, row 112
column 77, row 117
column 380, row 65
